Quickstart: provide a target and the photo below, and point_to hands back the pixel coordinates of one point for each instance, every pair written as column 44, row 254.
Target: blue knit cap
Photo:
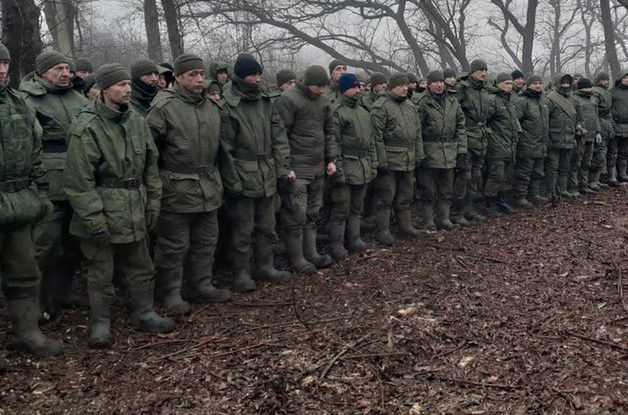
column 348, row 81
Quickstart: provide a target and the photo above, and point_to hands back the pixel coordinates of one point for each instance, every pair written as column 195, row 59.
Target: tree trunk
column 609, row 38
column 20, row 34
column 174, row 33
column 60, row 16
column 153, row 36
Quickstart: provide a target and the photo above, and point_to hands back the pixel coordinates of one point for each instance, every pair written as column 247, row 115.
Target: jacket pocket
column 116, row 214
column 19, row 208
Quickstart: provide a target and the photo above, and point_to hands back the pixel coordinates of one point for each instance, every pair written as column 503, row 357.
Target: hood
column 557, row 79
column 623, row 74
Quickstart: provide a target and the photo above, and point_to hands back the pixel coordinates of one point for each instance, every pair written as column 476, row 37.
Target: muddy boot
column 354, row 242
column 491, row 207
column 405, row 224
column 144, row 316
column 168, row 288
column 585, row 190
column 523, row 203
column 264, row 266
column 383, row 235
column 442, row 216
column 458, row 217
column 309, row 249
column 502, row 205
column 594, row 180
column 471, row 212
column 535, row 193
column 336, row 240
column 242, row 279
column 294, row 247
column 621, row 171
column 612, row 177
column 100, row 320
column 56, row 285
column 23, row 314
column 199, row 287
column 427, row 212
column 562, row 188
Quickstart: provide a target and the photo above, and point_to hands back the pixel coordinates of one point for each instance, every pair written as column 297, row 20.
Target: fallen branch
column 339, row 355
column 620, row 284
column 480, row 384
column 594, row 340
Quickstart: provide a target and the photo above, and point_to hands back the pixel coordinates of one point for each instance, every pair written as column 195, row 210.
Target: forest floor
column 515, row 315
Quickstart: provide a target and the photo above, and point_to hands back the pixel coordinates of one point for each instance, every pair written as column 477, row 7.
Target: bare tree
column 60, row 18
column 21, row 35
column 175, row 37
column 153, row 35
column 609, row 37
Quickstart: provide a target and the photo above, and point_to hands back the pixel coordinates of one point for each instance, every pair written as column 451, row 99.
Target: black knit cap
column 503, row 76
column 412, row 78
column 49, row 59
column 602, row 76
column 517, row 74
column 5, row 55
column 477, row 65
column 532, row 79
column 284, row 76
column 378, row 78
column 187, row 62
column 315, row 75
column 434, row 76
column 110, row 74
column 450, row 73
column 246, row 65
column 584, row 83
column 83, row 65
column 334, row 64
column 396, row 79
column 142, row 67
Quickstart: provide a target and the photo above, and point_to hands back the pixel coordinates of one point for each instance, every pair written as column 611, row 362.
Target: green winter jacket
column 354, row 135
column 55, row 107
column 397, row 130
column 604, row 109
column 533, row 115
column 186, row 128
column 310, row 128
column 256, row 139
column 443, row 130
column 565, row 117
column 476, row 106
column 588, row 104
column 23, row 182
column 504, row 125
column 620, row 107
column 111, row 177
column 369, row 98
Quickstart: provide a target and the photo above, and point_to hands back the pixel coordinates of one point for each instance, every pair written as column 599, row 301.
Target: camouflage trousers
column 18, row 268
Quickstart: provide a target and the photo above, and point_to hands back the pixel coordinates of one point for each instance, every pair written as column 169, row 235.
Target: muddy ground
column 516, row 315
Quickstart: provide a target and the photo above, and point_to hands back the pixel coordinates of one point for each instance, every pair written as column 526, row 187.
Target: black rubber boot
column 612, row 177
column 458, row 218
column 336, row 245
column 100, row 320
column 265, row 268
column 294, row 248
column 144, row 315
column 168, row 287
column 502, row 205
column 442, row 216
column 242, row 279
column 354, row 241
column 491, row 207
column 524, row 203
column 383, row 235
column 594, row 180
column 405, row 224
column 309, row 249
column 622, row 165
column 535, row 192
column 23, row 314
column 427, row 212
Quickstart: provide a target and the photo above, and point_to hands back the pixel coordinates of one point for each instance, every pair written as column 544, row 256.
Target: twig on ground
column 594, row 340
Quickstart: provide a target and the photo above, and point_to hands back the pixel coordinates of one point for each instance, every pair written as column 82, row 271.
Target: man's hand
column 292, row 176
column 100, row 235
column 598, row 138
column 331, row 168
column 46, row 208
column 151, row 219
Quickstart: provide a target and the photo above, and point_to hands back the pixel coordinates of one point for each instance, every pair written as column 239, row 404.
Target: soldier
column 518, row 81
column 219, row 71
column 564, row 125
column 474, row 101
column 214, row 92
column 49, row 92
column 445, row 145
column 605, row 114
column 533, row 116
column 421, row 85
column 336, row 69
column 186, row 127
column 502, row 144
column 83, row 68
column 354, row 135
column 145, row 85
column 592, row 135
column 112, row 182
column 397, row 131
column 90, row 89
column 379, row 84
column 166, row 77
column 412, row 84
column 451, row 79
column 23, row 201
column 619, row 95
column 307, row 115
column 257, row 141
column 285, row 79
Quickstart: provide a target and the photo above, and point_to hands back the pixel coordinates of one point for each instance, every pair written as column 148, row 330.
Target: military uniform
column 619, row 95
column 444, row 142
column 533, row 115
column 564, row 144
column 186, row 129
column 605, row 115
column 23, row 187
column 312, row 140
column 588, row 105
column 57, row 254
column 257, row 141
column 397, row 130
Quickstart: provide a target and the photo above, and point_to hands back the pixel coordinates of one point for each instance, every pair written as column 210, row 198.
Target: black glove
column 284, row 184
column 418, row 164
column 100, row 235
column 461, row 162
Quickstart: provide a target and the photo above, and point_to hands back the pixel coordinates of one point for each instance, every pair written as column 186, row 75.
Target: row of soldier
column 93, row 169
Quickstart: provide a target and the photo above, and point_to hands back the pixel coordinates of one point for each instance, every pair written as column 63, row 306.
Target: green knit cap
column 315, row 75
column 5, row 55
column 398, row 78
column 83, row 65
column 142, row 67
column 49, row 59
column 110, row 74
column 187, row 62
